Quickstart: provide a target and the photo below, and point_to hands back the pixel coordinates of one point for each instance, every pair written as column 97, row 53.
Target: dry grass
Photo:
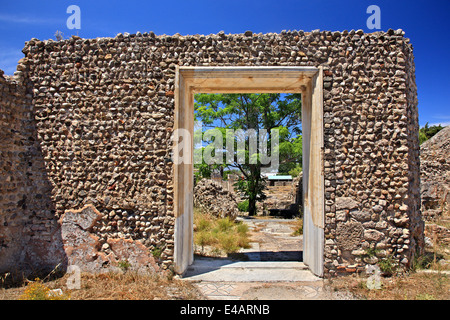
column 415, row 286
column 114, row 286
column 218, row 236
column 428, row 280
column 297, row 227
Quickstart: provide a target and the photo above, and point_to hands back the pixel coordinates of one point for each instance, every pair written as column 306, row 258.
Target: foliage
column 388, row 265
column 205, row 170
column 243, row 206
column 423, row 261
column 294, row 172
column 427, row 132
column 253, row 112
column 36, row 290
column 291, row 154
column 253, row 187
column 156, row 252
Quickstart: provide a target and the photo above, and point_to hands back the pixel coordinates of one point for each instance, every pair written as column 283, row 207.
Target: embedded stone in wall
column 83, row 248
column 134, row 252
column 346, row 203
column 349, row 235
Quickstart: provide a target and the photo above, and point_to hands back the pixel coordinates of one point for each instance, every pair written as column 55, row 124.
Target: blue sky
column 426, row 23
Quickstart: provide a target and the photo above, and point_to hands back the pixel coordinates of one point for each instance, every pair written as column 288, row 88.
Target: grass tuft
column 219, row 235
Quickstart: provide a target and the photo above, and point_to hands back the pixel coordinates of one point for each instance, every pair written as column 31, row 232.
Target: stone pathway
column 271, row 269
column 272, row 240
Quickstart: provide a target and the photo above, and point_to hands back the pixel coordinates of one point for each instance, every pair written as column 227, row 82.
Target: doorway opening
column 247, row 164
column 306, row 81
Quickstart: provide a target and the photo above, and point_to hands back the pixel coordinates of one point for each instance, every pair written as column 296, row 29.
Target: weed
column 424, row 261
column 242, row 228
column 225, row 224
column 124, row 265
column 388, row 265
column 156, row 252
column 228, row 243
column 370, row 252
column 203, row 238
column 203, row 224
column 36, row 290
column 425, row 296
column 298, row 227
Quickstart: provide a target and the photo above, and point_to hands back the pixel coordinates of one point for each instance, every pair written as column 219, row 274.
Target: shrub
column 228, row 243
column 225, row 224
column 36, row 290
column 242, row 228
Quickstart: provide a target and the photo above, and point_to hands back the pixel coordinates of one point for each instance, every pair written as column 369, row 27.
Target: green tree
column 427, row 132
column 255, row 112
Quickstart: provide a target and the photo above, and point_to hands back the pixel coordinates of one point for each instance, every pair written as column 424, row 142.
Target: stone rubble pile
column 211, row 198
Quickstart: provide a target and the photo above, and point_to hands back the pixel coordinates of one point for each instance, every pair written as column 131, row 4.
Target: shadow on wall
column 30, row 235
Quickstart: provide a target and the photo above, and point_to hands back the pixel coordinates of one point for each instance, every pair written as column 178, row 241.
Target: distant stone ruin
column 435, row 176
column 284, row 197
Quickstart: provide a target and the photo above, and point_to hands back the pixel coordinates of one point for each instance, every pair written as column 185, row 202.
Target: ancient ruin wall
column 104, row 110
column 13, row 166
column 26, row 208
column 435, row 176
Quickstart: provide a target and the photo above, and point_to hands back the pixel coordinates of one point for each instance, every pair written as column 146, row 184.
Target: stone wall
column 104, row 122
column 435, row 176
column 29, row 240
column 102, row 112
column 371, row 153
